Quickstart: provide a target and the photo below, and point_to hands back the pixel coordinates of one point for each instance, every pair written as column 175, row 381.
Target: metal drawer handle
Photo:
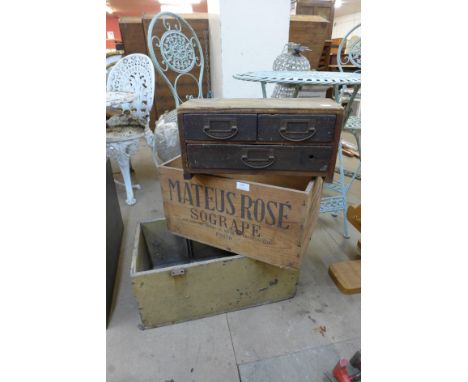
column 284, row 130
column 258, row 163
column 231, row 132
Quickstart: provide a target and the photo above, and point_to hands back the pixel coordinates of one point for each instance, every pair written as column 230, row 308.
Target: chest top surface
column 261, row 105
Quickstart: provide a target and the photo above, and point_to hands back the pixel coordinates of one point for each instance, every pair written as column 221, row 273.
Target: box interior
column 161, row 249
column 299, row 183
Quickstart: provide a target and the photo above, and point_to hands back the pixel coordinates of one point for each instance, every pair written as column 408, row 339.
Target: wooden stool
column 347, row 274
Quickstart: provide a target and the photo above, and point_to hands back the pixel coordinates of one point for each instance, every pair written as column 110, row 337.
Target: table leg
column 297, row 88
column 351, row 99
column 336, row 90
column 264, row 89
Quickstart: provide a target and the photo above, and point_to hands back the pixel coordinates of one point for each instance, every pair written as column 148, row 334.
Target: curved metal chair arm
column 134, row 74
column 175, row 52
column 354, row 52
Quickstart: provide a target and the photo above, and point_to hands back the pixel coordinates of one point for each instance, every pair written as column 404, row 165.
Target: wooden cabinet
column 285, row 136
column 311, row 31
column 322, row 8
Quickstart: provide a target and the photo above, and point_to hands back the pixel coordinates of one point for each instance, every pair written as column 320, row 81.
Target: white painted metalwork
column 353, row 51
column 351, row 124
column 175, row 51
column 134, row 75
column 301, row 77
column 175, row 54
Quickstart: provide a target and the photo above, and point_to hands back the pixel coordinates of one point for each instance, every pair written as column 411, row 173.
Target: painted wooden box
column 174, row 279
column 286, row 136
column 264, row 217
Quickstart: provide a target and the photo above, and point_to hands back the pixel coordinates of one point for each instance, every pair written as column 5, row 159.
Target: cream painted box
column 265, row 217
column 174, row 279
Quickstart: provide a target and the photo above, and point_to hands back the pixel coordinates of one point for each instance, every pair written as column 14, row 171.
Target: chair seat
column 353, row 123
column 124, row 133
column 166, row 137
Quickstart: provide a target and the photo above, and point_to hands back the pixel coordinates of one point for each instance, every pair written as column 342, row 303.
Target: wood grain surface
column 347, row 276
column 266, row 222
column 202, row 288
column 306, row 132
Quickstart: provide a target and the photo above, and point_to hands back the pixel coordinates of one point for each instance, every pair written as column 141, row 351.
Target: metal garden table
column 301, row 78
column 337, row 80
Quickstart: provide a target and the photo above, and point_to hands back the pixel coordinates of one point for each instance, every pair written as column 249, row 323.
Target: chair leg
column 124, row 164
column 343, row 190
column 357, row 136
column 345, row 224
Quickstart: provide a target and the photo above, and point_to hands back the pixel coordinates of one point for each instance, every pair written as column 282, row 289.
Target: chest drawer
column 220, row 127
column 258, row 157
column 296, row 128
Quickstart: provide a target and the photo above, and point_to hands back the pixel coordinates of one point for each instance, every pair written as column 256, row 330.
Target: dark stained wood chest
column 287, row 136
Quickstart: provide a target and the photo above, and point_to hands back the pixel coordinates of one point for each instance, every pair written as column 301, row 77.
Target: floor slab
column 319, row 316
column 198, row 350
column 305, row 365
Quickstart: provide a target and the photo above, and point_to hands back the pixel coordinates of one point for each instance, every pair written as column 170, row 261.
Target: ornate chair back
column 176, row 53
column 353, row 50
column 134, row 73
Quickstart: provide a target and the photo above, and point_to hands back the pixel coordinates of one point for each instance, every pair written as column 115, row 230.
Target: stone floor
column 293, row 340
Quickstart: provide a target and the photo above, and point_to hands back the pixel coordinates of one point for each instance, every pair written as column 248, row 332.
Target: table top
column 115, row 99
column 301, row 77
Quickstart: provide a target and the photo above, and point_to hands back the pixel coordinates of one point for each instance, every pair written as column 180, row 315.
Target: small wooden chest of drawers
column 288, row 136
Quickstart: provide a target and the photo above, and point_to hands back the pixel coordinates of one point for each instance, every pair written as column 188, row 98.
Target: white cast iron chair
column 339, row 202
column 133, row 73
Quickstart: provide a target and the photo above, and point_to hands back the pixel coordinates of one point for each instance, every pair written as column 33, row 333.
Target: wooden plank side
column 208, row 288
column 263, row 222
column 311, row 211
column 298, row 183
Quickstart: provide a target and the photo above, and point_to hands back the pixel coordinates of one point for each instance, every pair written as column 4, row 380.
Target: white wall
column 216, row 69
column 246, row 35
column 343, row 24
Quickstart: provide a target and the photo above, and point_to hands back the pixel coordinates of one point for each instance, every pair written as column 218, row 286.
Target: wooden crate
column 286, row 136
column 174, row 282
column 264, row 217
